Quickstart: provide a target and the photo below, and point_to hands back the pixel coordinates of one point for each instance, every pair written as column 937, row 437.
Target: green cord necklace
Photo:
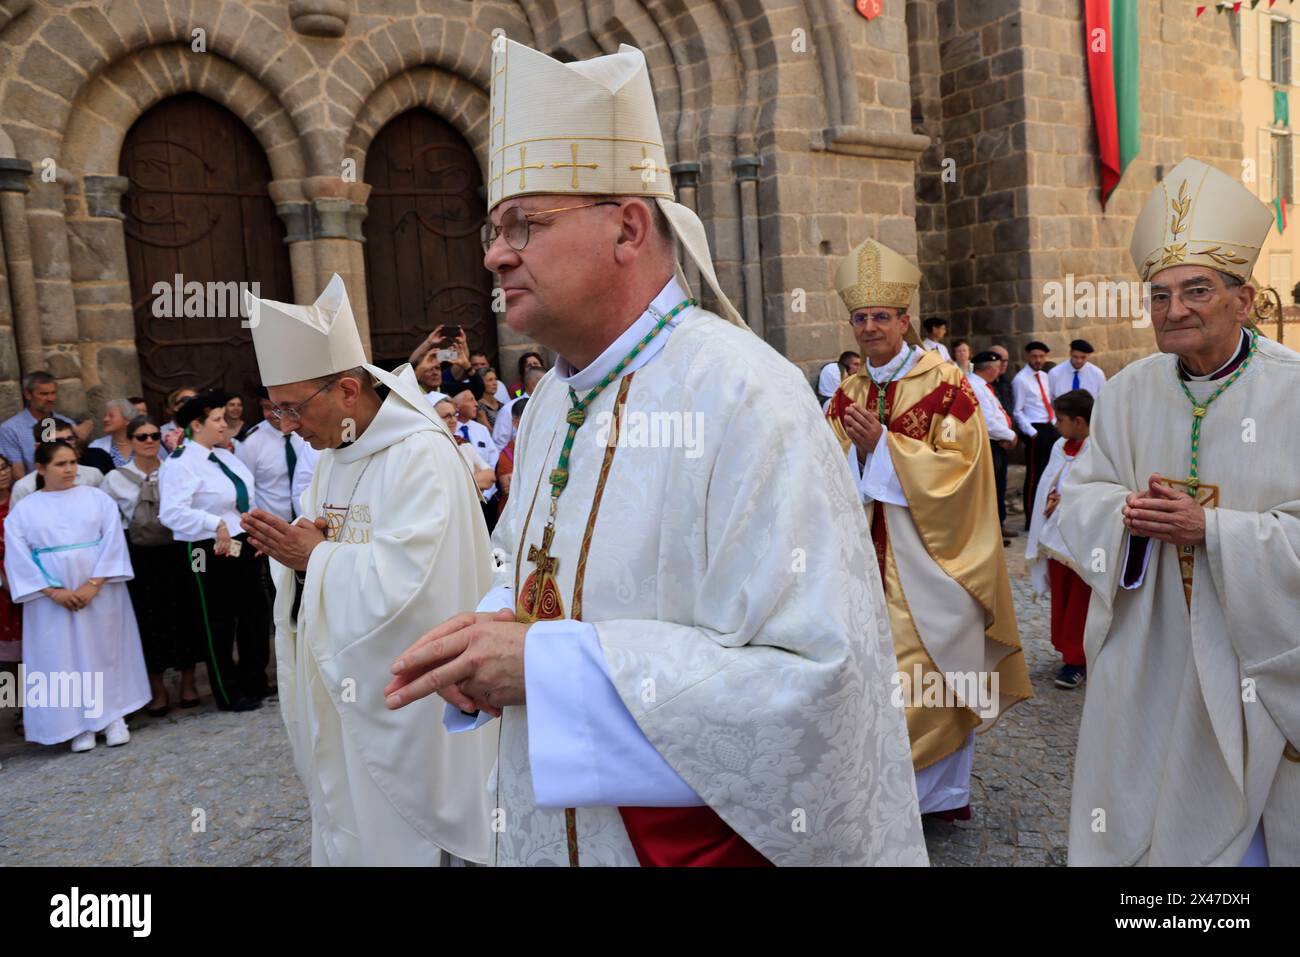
column 578, row 414
column 1200, row 408
column 883, row 387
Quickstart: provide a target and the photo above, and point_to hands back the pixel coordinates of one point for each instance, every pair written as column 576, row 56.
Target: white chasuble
column 62, row 539
column 406, row 550
column 1183, row 747
column 725, row 571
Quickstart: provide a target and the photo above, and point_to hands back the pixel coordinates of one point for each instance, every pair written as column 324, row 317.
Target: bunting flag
column 1112, row 43
column 1279, row 213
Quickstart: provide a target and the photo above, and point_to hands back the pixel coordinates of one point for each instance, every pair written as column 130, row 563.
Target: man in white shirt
column 504, row 430
column 1078, row 373
column 86, row 475
column 469, row 428
column 935, row 330
column 470, row 432
column 281, row 462
column 985, row 367
column 1034, row 418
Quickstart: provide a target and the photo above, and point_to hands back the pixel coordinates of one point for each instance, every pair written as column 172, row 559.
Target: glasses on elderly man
column 515, row 223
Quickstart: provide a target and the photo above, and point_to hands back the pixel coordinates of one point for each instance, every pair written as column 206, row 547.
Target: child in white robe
column 66, row 563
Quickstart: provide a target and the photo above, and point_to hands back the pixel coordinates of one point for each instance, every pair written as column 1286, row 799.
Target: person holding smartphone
column 441, row 363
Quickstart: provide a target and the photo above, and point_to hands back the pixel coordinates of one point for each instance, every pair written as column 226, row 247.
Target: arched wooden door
column 424, row 260
column 198, row 212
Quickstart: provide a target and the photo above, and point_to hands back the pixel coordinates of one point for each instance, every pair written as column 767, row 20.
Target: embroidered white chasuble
column 737, row 606
column 1189, row 711
column 407, row 549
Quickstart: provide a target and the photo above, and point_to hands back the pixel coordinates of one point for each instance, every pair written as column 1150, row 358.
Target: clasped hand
column 1165, row 514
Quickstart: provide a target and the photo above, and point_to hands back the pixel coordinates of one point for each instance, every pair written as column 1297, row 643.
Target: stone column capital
column 104, row 195
column 14, row 174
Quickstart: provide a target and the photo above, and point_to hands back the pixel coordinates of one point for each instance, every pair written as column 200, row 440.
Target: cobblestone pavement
column 139, row 804
column 1020, row 781
column 142, row 803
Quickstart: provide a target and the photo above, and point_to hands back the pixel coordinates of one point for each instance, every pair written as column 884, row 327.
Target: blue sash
column 50, row 580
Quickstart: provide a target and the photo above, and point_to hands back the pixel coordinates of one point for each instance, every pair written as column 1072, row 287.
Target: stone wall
column 1022, row 208
column 786, row 124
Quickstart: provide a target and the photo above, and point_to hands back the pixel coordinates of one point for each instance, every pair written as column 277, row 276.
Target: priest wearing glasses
column 1184, row 511
column 918, row 450
column 388, row 536
column 686, row 657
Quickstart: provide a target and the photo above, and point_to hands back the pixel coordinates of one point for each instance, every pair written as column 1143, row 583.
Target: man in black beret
column 1078, row 373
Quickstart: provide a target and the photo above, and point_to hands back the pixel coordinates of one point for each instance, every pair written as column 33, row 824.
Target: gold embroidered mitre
column 588, row 128
column 875, row 275
column 1198, row 215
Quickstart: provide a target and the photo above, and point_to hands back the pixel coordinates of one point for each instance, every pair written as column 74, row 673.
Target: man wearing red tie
column 1034, row 418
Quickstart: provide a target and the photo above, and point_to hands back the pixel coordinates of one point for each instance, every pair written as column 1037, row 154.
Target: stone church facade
column 146, row 145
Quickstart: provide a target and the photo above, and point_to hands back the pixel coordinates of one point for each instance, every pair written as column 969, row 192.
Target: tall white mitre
column 588, row 128
column 295, row 343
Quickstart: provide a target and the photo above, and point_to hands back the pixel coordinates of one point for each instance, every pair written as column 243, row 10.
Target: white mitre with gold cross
column 586, row 128
column 1198, row 215
column 296, row 343
column 872, row 274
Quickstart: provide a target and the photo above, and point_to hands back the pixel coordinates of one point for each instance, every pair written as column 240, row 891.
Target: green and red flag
column 1112, row 44
column 1279, row 213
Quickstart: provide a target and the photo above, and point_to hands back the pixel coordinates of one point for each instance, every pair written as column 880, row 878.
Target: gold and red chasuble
column 939, row 447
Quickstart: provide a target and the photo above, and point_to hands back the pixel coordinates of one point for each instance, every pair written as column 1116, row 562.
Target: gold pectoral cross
column 1206, row 496
column 540, row 599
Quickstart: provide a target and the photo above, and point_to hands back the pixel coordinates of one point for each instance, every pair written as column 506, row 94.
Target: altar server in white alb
column 1183, row 513
column 687, row 643
column 66, row 563
column 389, row 539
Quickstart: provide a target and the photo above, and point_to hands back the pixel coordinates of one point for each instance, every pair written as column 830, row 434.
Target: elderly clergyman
column 685, row 643
column 389, row 537
column 1184, row 514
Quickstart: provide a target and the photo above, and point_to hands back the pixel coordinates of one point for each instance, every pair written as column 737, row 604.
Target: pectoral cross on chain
column 540, row 599
column 542, row 559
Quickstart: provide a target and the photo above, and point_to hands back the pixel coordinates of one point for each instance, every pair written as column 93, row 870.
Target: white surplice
column 1044, row 541
column 1188, row 713
column 100, row 644
column 407, row 550
column 730, row 605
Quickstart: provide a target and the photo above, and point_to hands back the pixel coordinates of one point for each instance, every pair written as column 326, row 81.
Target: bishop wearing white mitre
column 687, row 643
column 1183, row 512
column 390, row 538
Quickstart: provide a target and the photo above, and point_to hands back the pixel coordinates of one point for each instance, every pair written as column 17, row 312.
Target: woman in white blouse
column 162, row 593
column 204, row 491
